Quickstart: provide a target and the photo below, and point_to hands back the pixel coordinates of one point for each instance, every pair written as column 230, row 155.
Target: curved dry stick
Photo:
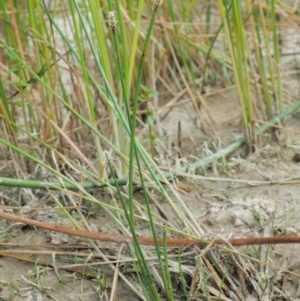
column 171, row 242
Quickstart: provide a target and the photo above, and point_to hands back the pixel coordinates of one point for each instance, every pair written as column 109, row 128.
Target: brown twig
column 171, row 242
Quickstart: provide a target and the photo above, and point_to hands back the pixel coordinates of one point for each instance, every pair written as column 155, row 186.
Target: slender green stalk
column 261, row 63
column 182, row 280
column 134, row 43
column 122, row 76
column 208, row 17
column 238, row 49
column 134, row 114
column 123, row 72
column 208, row 56
column 276, row 48
column 146, row 276
column 166, row 272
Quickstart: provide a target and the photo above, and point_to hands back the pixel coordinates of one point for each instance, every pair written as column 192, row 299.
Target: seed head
column 112, row 21
column 107, row 156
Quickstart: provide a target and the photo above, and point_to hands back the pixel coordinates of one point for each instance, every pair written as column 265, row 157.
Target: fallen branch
column 171, row 242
